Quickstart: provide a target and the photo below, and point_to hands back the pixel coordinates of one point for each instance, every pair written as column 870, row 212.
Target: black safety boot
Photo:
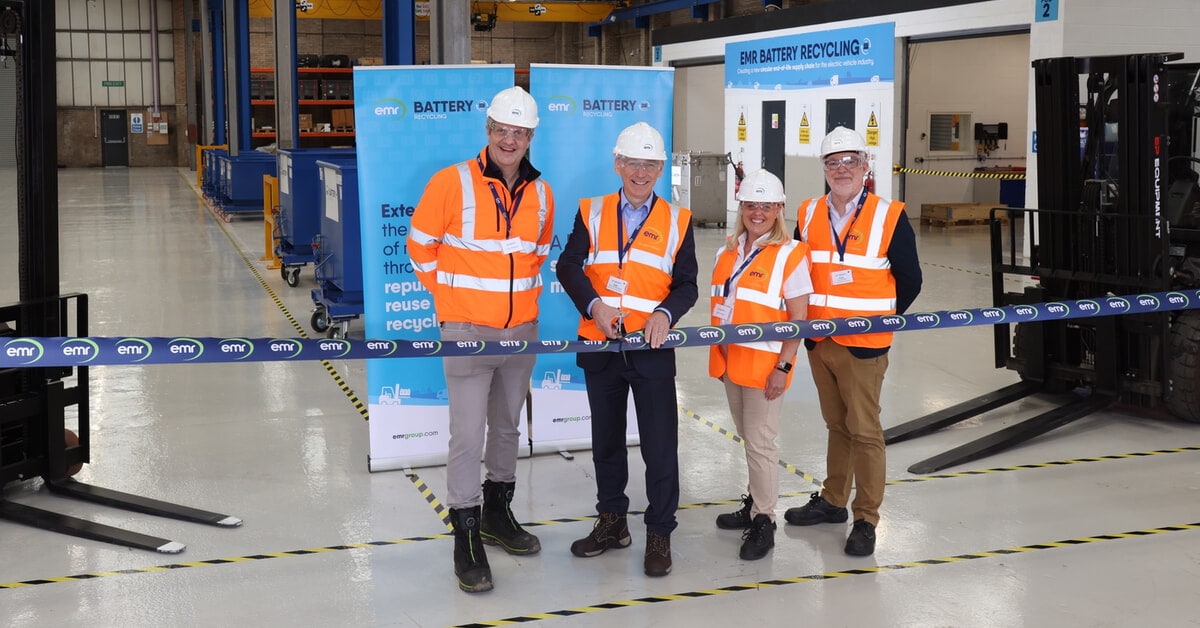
column 758, row 539
column 738, row 520
column 470, row 562
column 499, row 526
column 817, row 510
column 861, row 541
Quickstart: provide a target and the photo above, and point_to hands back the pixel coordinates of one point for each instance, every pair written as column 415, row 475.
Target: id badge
column 617, row 285
column 511, row 245
column 842, row 277
column 722, row 312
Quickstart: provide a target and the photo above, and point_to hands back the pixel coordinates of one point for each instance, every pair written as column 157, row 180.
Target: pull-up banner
column 582, row 110
column 28, row 352
column 412, row 122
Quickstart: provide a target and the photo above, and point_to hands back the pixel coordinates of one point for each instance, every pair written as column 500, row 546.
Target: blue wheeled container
column 338, row 297
column 242, row 181
column 210, row 180
column 301, row 199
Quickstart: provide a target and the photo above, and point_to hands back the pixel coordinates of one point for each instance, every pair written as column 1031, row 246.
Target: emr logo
column 562, row 104
column 391, row 108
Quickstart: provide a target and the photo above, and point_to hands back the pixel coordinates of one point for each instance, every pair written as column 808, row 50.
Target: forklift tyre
column 1184, row 345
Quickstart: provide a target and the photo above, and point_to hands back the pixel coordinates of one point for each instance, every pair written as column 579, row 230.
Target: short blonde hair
column 778, row 235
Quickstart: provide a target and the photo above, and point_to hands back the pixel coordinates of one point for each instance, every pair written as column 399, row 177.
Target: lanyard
column 843, row 242
column 624, row 245
column 504, row 211
column 736, row 273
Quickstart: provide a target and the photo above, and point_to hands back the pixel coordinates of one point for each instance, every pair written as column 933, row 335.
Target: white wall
column 986, row 77
column 699, row 109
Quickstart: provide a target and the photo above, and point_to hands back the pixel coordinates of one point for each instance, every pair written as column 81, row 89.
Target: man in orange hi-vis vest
column 864, row 263
column 480, row 234
column 630, row 265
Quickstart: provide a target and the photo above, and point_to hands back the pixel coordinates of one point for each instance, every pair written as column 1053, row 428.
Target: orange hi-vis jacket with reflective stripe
column 860, row 283
column 758, row 298
column 482, row 267
column 646, row 267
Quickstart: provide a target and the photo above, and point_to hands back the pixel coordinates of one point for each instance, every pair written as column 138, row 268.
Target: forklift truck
column 1118, row 213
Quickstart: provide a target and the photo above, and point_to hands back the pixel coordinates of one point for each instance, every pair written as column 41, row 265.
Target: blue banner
column 32, row 352
column 411, row 122
column 862, row 54
column 583, row 109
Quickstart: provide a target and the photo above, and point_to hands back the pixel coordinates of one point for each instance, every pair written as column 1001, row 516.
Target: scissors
column 621, row 335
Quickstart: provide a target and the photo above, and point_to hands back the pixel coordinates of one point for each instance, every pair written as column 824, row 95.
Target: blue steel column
column 216, row 22
column 399, row 32
column 241, row 42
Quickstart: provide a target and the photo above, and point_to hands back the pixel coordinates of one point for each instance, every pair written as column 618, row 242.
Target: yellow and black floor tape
column 898, row 169
column 337, row 377
column 829, row 575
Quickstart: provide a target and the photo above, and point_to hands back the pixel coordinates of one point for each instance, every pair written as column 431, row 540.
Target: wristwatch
column 786, row 367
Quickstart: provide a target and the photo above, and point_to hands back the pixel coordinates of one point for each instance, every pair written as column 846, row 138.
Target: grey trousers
column 486, row 394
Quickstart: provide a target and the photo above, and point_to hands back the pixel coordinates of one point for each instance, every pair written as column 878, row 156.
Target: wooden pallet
column 960, row 222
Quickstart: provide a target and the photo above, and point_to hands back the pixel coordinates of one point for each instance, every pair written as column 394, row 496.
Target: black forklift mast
column 1118, row 212
column 34, row 401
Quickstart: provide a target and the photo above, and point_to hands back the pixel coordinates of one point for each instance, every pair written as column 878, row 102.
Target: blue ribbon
column 27, row 352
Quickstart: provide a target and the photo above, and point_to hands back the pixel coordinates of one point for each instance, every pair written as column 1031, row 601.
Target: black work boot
column 499, row 526
column 470, row 563
column 738, row 520
column 817, row 510
column 758, row 539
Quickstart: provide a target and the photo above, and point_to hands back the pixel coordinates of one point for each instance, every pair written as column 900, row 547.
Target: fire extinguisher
column 870, row 182
column 739, row 173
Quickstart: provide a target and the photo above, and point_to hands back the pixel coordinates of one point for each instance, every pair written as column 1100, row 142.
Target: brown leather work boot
column 611, row 532
column 658, row 555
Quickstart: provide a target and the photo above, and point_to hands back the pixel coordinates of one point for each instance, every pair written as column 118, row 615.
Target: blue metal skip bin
column 300, row 205
column 243, row 177
column 338, row 271
column 210, row 181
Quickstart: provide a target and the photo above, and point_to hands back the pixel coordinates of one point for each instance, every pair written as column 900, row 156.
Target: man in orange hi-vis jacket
column 480, row 234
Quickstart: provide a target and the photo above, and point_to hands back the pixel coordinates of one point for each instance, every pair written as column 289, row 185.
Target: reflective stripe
column 491, row 246
column 543, row 209
column 855, row 261
column 468, row 197
column 628, row 302
column 852, row 303
column 766, row 299
column 773, row 347
column 422, row 238
column 603, row 257
column 489, row 285
column 543, row 249
column 426, row 267
column 877, row 228
column 595, row 210
column 645, row 258
column 809, row 210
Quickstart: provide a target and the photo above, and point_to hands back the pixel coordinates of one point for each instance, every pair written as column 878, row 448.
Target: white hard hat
column 841, row 140
column 640, row 141
column 761, row 186
column 514, row 106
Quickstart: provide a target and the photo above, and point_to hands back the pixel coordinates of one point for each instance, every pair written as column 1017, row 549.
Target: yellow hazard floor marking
column 897, row 169
column 738, row 439
column 561, row 520
column 337, row 377
column 879, row 569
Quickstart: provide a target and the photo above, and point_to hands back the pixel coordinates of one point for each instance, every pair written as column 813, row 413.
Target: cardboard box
column 959, row 213
column 306, row 122
column 343, row 119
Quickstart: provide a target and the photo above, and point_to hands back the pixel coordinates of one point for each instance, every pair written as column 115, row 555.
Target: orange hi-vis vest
column 481, row 266
column 646, row 267
column 858, row 282
column 757, row 298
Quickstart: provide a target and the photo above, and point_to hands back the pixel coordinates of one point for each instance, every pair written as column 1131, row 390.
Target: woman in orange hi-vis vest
column 761, row 276
column 480, row 234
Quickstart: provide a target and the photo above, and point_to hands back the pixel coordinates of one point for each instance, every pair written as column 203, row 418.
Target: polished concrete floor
column 1065, row 530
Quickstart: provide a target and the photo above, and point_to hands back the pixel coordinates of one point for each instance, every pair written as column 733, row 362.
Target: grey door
column 114, row 137
column 8, row 113
column 773, row 135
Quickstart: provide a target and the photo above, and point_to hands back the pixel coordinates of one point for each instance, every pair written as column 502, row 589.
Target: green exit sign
column 112, row 83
